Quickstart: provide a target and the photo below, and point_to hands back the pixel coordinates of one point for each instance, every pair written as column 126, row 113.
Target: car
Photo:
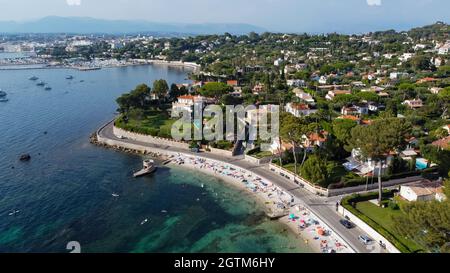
column 346, row 223
column 365, row 239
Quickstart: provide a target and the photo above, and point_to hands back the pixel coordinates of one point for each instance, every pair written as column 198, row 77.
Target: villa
column 299, row 109
column 413, row 104
column 423, row 190
column 355, row 110
column 364, row 167
column 315, row 140
column 334, row 93
column 302, row 95
column 296, row 83
column 186, row 104
column 442, row 143
column 435, row 90
column 258, row 88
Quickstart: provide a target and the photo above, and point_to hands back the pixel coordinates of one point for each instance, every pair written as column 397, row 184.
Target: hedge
column 346, row 202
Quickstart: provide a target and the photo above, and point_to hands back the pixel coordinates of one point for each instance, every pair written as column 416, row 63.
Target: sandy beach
column 277, row 203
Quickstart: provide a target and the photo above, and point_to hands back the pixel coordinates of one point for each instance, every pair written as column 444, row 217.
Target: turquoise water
column 65, row 192
column 421, row 164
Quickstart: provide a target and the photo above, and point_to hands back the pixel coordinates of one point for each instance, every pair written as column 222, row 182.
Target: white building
column 304, row 96
column 406, row 56
column 334, row 93
column 187, row 104
column 299, row 109
column 323, row 80
column 443, row 50
column 296, row 83
column 423, row 190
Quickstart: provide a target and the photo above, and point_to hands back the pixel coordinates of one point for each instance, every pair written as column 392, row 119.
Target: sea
column 73, row 191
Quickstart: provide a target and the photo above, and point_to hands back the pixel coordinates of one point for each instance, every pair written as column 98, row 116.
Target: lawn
column 149, row 122
column 383, row 217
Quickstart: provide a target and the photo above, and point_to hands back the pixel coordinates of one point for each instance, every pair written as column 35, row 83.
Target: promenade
column 323, row 208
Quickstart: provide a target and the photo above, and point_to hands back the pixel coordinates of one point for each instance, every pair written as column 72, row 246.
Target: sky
column 313, row 16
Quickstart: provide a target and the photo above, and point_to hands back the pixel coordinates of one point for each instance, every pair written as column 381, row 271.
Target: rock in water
column 25, row 157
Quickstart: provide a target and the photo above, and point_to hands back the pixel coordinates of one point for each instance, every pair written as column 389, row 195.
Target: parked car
column 346, row 223
column 365, row 239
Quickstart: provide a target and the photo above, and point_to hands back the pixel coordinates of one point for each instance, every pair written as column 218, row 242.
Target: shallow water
column 65, row 192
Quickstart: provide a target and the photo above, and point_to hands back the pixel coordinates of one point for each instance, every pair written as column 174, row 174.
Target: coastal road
column 322, row 207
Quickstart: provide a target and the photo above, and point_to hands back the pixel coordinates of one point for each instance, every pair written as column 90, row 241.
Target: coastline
column 270, row 197
column 268, row 200
column 177, row 64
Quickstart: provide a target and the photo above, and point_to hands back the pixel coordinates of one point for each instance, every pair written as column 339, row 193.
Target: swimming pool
column 421, row 163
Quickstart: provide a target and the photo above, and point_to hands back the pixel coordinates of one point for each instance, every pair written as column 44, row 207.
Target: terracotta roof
column 318, row 137
column 350, row 117
column 442, row 143
column 300, row 106
column 341, row 92
column 232, row 82
column 428, row 79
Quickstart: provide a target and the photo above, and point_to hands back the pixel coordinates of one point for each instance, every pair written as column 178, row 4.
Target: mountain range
column 87, row 25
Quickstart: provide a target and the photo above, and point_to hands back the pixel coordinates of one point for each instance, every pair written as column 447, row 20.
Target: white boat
column 34, row 78
column 69, row 77
column 2, row 93
column 41, row 83
column 115, row 195
column 148, row 168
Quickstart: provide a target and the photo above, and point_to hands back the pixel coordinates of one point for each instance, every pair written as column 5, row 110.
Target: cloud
column 374, row 3
column 73, row 2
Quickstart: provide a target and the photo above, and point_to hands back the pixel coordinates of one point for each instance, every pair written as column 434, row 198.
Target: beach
column 278, row 204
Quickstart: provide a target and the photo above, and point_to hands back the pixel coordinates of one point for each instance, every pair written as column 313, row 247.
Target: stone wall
column 368, row 229
column 298, row 180
column 120, row 133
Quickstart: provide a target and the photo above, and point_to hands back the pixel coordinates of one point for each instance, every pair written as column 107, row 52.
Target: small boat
column 48, row 88
column 14, row 212
column 4, row 100
column 41, row 83
column 69, row 77
column 115, row 195
column 144, row 222
column 34, row 78
column 2, row 93
column 148, row 168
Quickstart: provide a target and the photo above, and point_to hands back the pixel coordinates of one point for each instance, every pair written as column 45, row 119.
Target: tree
column 427, row 223
column 174, row 91
column 136, row 98
column 315, row 170
column 420, row 63
column 376, row 141
column 292, row 131
column 215, row 89
column 368, row 96
column 342, row 130
column 160, row 88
